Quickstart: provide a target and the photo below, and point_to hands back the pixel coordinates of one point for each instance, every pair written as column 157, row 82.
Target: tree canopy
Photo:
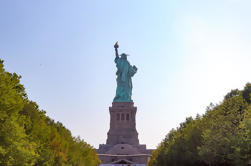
column 30, row 138
column 220, row 137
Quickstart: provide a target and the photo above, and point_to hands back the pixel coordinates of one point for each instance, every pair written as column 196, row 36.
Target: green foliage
column 247, row 93
column 15, row 147
column 221, row 137
column 30, row 138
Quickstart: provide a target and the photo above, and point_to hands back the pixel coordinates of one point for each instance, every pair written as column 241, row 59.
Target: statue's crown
column 124, row 55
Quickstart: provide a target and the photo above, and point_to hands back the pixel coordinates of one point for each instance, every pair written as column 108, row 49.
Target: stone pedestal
column 122, row 124
column 122, row 144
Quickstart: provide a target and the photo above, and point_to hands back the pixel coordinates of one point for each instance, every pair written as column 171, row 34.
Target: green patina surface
column 124, row 73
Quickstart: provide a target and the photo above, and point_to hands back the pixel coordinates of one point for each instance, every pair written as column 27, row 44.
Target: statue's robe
column 124, row 80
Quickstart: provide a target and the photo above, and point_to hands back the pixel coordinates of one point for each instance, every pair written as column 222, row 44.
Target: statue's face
column 124, row 57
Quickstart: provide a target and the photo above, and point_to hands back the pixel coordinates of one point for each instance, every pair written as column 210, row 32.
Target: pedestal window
column 127, row 116
column 118, row 116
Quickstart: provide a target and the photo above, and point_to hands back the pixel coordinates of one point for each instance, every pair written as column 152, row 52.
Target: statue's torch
column 116, row 46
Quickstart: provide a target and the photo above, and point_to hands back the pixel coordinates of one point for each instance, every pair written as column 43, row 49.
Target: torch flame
column 116, row 45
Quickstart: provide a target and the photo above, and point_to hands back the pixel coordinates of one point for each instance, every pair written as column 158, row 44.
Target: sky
column 189, row 53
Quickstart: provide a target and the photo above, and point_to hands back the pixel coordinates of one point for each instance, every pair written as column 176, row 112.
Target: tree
column 15, row 147
column 30, row 138
column 221, row 137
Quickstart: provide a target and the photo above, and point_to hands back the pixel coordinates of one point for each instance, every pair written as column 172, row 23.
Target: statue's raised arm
column 116, row 46
column 124, row 73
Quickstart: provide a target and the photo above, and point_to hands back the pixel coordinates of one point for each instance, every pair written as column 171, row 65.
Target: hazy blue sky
column 188, row 52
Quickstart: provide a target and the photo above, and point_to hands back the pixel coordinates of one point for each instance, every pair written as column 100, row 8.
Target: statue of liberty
column 124, row 74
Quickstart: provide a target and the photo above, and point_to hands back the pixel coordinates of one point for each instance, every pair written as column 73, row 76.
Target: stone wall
column 122, row 143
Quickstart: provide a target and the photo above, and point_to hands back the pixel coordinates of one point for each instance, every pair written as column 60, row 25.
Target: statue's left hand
column 135, row 68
